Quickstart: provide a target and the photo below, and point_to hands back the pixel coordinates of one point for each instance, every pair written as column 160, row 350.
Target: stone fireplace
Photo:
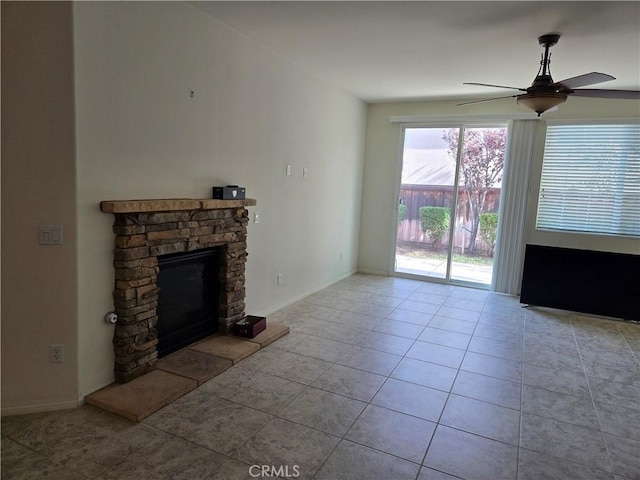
column 148, row 229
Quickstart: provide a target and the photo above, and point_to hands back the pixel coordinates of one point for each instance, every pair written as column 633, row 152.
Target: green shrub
column 489, row 229
column 402, row 210
column 435, row 222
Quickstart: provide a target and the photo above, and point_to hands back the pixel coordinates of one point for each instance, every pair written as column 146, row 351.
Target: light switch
column 51, row 235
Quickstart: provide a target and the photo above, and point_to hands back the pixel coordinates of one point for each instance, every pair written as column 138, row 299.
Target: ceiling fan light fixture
column 541, row 102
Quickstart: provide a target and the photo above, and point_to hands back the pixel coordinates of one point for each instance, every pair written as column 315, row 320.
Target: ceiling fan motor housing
column 541, row 84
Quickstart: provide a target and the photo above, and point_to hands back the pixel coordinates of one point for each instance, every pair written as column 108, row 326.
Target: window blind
column 591, row 179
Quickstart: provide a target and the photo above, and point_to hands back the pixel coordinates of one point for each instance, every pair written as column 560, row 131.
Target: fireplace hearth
column 145, row 232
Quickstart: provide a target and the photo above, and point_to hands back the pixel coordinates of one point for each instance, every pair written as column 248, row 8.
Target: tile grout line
column 593, row 401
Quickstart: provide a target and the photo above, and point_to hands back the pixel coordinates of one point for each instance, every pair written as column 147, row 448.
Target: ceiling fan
column 544, row 93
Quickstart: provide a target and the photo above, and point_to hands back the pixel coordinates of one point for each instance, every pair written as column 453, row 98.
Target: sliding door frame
column 461, row 123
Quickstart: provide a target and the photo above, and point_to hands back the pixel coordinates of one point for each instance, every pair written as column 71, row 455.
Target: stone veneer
column 147, row 229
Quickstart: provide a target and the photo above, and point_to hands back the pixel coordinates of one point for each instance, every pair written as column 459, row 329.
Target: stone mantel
column 172, row 205
column 147, row 229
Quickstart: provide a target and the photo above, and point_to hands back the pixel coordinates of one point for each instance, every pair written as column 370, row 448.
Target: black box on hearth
column 230, row 192
column 250, row 326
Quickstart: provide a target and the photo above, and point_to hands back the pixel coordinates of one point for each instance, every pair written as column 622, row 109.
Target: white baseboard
column 370, row 271
column 322, row 286
column 38, row 407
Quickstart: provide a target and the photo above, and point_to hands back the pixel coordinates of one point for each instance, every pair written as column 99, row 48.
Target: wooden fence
column 416, row 196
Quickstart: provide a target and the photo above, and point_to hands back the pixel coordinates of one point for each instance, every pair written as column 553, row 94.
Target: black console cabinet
column 601, row 283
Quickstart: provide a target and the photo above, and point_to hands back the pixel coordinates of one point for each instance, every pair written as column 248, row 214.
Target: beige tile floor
column 380, row 378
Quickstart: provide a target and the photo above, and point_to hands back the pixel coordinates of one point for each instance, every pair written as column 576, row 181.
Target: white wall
column 38, row 188
column 141, row 135
column 382, row 157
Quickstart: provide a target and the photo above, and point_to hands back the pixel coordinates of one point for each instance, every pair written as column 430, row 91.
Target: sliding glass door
column 449, row 201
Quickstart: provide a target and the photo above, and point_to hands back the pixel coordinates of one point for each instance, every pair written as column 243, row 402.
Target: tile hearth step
column 179, row 373
column 230, row 348
column 143, row 396
column 195, row 365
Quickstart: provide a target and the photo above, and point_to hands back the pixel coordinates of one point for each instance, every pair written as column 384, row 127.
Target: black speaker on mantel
column 230, row 192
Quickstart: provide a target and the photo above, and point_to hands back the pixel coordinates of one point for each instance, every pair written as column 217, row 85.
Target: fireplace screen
column 188, row 299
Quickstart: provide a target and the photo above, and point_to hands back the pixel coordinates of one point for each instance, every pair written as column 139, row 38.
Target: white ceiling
column 399, row 51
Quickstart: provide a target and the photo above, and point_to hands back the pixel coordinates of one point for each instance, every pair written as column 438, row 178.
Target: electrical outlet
column 56, row 353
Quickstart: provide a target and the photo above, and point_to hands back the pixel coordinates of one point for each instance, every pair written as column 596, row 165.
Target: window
column 591, row 179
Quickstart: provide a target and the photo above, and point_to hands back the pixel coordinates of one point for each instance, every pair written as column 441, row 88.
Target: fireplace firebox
column 188, row 298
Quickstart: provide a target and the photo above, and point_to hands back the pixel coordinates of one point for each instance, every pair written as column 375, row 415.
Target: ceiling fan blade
column 485, row 100
column 599, row 93
column 497, row 86
column 583, row 80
